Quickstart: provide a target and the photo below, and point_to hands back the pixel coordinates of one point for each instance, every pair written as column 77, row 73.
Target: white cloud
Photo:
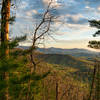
column 34, row 11
column 87, row 7
column 31, row 12
column 53, row 4
column 75, row 17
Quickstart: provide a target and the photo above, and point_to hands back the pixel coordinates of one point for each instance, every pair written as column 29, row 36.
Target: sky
column 72, row 32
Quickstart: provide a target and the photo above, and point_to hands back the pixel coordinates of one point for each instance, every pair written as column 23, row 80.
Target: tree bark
column 56, row 90
column 5, row 16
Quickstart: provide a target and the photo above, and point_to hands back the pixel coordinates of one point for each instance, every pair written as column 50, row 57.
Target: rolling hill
column 66, row 60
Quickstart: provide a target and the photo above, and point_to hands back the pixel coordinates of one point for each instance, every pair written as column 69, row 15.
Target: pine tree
column 95, row 44
column 95, row 87
column 5, row 16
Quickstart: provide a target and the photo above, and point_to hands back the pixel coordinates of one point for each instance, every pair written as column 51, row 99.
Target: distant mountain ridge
column 74, row 52
column 64, row 51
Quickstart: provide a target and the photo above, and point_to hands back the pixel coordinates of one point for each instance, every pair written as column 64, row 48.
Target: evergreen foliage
column 95, row 86
column 19, row 75
column 96, row 24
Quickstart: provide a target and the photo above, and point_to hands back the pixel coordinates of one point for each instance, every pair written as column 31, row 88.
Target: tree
column 95, row 86
column 4, row 38
column 6, row 19
column 95, row 44
column 42, row 29
column 5, row 16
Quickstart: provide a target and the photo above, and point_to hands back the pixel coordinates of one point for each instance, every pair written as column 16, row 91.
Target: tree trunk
column 5, row 15
column 95, row 87
column 56, row 90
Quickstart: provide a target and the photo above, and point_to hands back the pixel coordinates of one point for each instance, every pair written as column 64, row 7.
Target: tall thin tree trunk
column 56, row 90
column 95, row 87
column 5, row 15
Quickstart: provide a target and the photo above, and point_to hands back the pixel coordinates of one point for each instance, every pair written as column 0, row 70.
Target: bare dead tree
column 42, row 29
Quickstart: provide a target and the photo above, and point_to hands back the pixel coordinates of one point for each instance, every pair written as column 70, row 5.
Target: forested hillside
column 48, row 81
column 66, row 60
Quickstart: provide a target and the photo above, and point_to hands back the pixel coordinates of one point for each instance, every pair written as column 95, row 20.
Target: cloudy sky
column 73, row 32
